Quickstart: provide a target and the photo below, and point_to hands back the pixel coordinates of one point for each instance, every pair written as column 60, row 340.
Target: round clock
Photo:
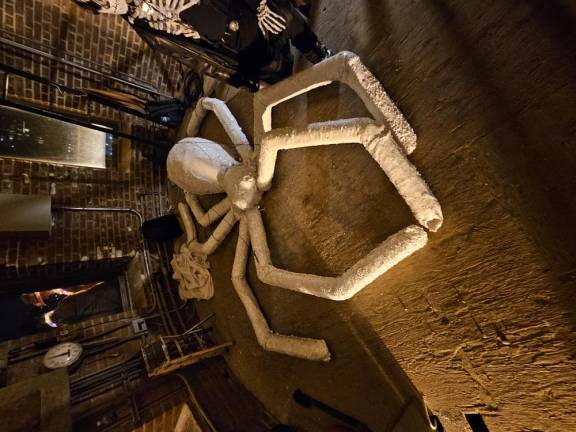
column 63, row 355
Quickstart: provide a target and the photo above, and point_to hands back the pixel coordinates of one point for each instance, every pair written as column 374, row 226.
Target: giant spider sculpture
column 200, row 166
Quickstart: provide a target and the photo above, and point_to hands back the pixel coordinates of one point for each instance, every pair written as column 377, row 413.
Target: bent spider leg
column 217, row 237
column 305, row 348
column 209, row 217
column 345, row 67
column 377, row 140
column 226, row 119
column 389, row 253
column 188, row 222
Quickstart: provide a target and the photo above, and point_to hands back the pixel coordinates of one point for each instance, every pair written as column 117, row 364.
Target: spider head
column 239, row 182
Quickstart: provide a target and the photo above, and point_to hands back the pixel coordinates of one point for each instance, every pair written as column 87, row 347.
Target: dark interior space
column 287, row 215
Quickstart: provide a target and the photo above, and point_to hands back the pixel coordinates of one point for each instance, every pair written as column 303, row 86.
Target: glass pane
column 26, row 135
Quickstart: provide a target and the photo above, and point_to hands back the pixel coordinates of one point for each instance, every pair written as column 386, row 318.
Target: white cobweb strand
column 191, row 269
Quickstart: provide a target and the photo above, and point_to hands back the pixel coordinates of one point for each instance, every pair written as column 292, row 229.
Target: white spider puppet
column 202, row 167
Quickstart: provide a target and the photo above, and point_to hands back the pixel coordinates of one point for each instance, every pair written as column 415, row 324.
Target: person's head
column 114, row 7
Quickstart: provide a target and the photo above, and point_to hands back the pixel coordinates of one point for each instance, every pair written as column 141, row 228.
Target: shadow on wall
column 515, row 112
column 526, row 150
column 377, row 394
column 536, row 165
column 371, row 344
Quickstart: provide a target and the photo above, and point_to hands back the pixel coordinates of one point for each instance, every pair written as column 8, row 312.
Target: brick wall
column 158, row 405
column 159, row 401
column 78, row 239
column 97, row 240
column 228, row 405
column 68, row 30
column 29, row 368
column 85, row 329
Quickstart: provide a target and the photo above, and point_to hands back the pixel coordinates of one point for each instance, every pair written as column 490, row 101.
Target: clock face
column 63, row 355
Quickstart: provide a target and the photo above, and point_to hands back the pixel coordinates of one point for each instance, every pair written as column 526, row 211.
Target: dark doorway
column 34, row 312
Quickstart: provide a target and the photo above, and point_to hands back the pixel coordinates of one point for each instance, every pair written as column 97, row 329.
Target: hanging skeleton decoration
column 164, row 15
column 270, row 21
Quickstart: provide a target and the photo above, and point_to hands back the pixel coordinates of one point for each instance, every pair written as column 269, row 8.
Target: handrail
column 35, row 51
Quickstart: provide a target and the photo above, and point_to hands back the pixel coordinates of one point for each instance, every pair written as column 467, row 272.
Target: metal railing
column 84, row 119
column 6, row 39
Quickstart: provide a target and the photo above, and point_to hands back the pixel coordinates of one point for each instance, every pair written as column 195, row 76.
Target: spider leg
column 389, row 253
column 207, row 218
column 344, row 67
column 217, row 237
column 305, row 348
column 388, row 138
column 377, row 140
column 228, row 121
